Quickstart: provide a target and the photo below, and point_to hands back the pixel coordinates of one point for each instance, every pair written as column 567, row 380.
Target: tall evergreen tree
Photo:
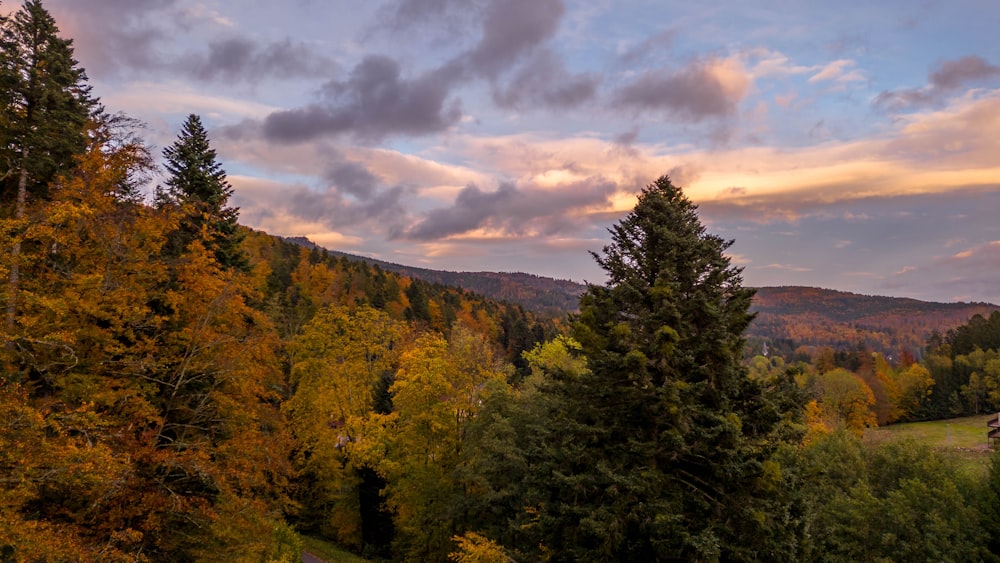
column 45, row 103
column 198, row 181
column 662, row 449
column 44, row 106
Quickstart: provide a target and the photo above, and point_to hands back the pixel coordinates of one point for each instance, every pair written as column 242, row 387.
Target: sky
column 851, row 145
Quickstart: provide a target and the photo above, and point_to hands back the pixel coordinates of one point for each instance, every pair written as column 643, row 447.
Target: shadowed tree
column 198, row 183
column 663, row 448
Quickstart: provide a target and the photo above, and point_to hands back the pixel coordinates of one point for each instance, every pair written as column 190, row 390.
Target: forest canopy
column 178, row 387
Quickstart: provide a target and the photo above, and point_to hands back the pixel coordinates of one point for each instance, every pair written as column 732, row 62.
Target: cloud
column 513, row 211
column 772, row 63
column 544, row 81
column 118, row 37
column 972, row 272
column 785, row 267
column 238, row 58
column 662, row 40
column 510, row 29
column 280, row 207
column 374, row 102
column 706, row 88
column 947, row 78
column 840, row 71
column 377, row 101
column 448, row 15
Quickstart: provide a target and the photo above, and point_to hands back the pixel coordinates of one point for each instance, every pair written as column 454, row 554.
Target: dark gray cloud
column 349, row 202
column 693, row 93
column 239, row 58
column 947, row 78
column 448, row 16
column 508, row 30
column 354, row 179
column 544, row 81
column 113, row 37
column 511, row 29
column 375, row 101
column 512, row 210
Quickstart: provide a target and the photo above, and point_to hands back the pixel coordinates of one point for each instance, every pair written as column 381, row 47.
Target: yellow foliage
column 474, row 548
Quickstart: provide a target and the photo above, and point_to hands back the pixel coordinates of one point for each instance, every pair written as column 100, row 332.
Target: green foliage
column 198, row 184
column 44, row 103
column 899, row 501
column 658, row 446
column 980, row 332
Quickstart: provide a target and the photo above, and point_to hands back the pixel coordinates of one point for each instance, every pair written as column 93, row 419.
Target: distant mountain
column 787, row 317
column 536, row 293
column 790, row 317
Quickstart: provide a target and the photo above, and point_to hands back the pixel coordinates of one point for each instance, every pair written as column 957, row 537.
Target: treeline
column 177, row 388
column 861, row 388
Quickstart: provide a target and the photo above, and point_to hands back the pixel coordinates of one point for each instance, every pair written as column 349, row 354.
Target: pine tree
column 45, row 103
column 198, row 181
column 662, row 448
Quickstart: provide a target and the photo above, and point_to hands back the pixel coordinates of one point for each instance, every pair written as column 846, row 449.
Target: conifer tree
column 662, row 448
column 198, row 181
column 45, row 103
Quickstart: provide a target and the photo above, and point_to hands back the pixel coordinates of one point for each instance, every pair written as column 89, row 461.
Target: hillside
column 790, row 317
column 536, row 293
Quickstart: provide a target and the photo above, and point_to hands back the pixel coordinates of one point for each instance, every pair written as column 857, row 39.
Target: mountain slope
column 536, row 293
column 789, row 317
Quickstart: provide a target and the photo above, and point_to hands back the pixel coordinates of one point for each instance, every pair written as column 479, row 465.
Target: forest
column 178, row 387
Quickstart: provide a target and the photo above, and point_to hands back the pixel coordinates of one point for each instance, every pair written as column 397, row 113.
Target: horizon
column 584, row 283
column 849, row 147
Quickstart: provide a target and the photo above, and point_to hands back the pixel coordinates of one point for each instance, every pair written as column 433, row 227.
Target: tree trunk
column 15, row 253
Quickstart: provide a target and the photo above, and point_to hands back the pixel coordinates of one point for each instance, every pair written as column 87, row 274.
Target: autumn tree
column 157, row 437
column 197, row 182
column 44, row 105
column 340, row 361
column 437, row 395
column 846, row 399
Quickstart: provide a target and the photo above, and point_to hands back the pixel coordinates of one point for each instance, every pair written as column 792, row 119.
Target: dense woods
column 176, row 387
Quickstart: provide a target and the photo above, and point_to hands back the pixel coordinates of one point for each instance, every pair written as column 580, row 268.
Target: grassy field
column 964, row 437
column 965, row 433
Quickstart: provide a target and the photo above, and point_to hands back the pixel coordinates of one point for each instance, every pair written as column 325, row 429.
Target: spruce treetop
column 198, row 182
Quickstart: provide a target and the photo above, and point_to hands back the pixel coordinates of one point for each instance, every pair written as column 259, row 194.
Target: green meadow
column 965, row 437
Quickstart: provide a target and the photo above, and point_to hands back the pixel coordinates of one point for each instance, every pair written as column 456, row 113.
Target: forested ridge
column 177, row 387
column 536, row 293
column 790, row 319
